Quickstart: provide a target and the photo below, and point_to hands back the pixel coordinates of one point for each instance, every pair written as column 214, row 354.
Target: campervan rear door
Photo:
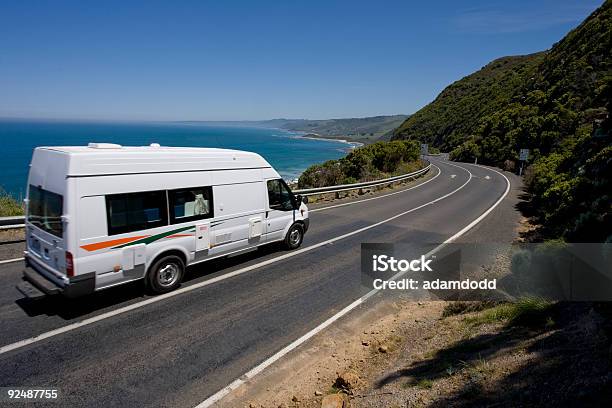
column 46, row 200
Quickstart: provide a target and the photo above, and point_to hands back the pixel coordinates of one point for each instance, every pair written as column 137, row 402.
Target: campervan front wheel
column 165, row 274
column 294, row 237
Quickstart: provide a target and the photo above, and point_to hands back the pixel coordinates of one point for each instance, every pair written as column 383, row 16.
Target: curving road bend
column 121, row 347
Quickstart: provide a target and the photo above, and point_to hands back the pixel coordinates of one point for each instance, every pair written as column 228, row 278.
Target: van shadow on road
column 132, row 292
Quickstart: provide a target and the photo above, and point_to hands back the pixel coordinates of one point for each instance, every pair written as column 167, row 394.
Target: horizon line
column 92, row 119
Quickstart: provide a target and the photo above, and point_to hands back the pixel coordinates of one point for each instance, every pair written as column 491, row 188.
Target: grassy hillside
column 364, row 130
column 556, row 103
column 374, row 127
column 457, row 111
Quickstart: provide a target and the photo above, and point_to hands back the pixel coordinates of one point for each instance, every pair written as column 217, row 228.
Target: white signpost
column 424, row 148
column 523, row 156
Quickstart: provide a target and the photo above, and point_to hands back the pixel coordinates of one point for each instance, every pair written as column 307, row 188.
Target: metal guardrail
column 355, row 186
column 19, row 221
column 12, row 222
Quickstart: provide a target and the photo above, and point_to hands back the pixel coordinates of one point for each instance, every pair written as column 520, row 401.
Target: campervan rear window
column 136, row 211
column 45, row 210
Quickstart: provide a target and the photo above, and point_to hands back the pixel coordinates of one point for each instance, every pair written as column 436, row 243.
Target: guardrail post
column 12, row 222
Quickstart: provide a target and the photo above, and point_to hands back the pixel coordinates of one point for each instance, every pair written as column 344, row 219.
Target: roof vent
column 154, row 145
column 104, row 146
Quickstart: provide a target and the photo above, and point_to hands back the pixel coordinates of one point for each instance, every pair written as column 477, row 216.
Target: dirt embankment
column 408, row 354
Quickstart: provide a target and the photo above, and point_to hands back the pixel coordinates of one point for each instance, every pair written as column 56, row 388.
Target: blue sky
column 234, row 60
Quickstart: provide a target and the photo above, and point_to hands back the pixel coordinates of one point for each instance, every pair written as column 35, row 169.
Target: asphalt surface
column 178, row 351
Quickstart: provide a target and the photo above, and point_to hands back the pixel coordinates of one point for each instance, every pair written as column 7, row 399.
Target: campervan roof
column 106, row 159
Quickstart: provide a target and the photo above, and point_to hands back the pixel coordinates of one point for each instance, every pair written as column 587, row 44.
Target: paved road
column 181, row 349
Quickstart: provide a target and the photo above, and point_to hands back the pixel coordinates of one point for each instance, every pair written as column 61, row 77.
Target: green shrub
column 466, row 152
column 364, row 163
column 320, row 175
column 9, row 206
column 528, row 312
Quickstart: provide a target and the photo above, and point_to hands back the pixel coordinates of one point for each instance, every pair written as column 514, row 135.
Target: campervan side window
column 190, row 204
column 136, row 211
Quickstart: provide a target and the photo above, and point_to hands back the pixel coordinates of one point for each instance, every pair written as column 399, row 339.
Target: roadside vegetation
column 9, row 206
column 555, row 103
column 525, row 312
column 370, row 162
column 434, row 150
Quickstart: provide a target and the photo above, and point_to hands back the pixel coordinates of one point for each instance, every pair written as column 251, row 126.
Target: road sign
column 523, row 156
column 424, row 148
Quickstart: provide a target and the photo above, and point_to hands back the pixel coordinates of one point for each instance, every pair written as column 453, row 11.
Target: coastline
column 341, row 139
column 315, row 136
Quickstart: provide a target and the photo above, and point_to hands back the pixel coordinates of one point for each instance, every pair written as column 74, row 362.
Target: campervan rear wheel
column 294, row 237
column 165, row 274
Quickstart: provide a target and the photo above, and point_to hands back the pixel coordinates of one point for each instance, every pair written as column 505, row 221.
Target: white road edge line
column 213, row 399
column 380, row 196
column 22, row 343
column 11, row 260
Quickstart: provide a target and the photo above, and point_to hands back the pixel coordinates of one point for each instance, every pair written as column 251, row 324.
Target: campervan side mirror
column 302, row 199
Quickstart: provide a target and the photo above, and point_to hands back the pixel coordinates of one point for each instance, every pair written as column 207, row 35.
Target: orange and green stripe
column 140, row 239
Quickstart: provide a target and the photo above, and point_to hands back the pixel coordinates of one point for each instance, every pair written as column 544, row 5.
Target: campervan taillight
column 69, row 264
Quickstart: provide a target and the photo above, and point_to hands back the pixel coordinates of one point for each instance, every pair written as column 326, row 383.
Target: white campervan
column 103, row 215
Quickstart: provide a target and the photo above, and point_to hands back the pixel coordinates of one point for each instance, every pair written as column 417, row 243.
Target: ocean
column 289, row 153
